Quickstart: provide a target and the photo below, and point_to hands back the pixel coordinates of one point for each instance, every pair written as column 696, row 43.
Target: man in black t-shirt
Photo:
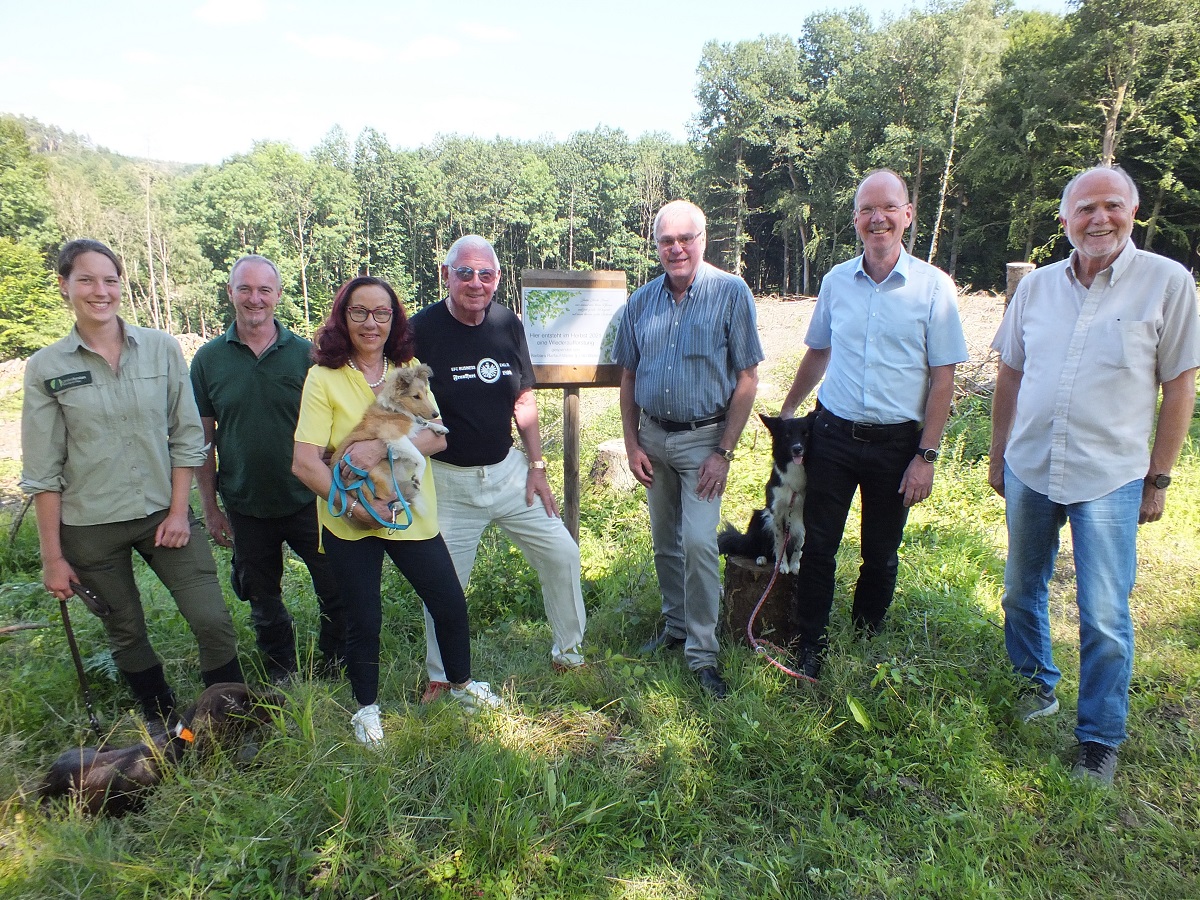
column 483, row 381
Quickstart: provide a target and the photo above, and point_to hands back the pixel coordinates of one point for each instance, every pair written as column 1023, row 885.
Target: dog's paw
column 437, row 428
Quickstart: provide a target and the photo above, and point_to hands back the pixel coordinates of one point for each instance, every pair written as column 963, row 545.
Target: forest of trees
column 987, row 111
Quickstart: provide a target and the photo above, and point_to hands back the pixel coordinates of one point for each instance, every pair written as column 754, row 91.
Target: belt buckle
column 865, row 436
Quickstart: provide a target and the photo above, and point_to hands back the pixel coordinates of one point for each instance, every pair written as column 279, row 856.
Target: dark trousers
column 257, row 578
column 358, row 567
column 102, row 557
column 837, row 464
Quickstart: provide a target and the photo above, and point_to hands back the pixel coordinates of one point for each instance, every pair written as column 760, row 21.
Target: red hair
column 332, row 346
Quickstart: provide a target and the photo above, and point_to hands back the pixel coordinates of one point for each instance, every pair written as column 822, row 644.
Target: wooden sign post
column 571, row 321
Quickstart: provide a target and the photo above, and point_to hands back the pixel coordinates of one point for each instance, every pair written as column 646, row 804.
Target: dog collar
column 184, row 733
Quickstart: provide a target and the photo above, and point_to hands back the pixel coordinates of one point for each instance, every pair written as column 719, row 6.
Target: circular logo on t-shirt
column 488, row 370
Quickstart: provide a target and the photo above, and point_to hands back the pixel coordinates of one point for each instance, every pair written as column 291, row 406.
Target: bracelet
column 350, row 510
column 537, row 464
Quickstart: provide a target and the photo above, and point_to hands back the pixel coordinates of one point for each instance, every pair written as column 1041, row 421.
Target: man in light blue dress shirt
column 886, row 336
column 689, row 350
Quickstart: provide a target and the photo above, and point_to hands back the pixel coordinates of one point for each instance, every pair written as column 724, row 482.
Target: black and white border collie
column 783, row 515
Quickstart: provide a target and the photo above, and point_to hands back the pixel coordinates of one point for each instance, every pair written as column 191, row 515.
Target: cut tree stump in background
column 611, row 467
column 745, row 582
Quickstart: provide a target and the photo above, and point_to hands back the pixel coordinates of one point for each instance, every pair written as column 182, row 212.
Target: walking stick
column 83, row 684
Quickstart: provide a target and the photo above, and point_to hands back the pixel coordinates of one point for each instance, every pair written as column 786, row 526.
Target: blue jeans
column 684, row 531
column 1104, row 535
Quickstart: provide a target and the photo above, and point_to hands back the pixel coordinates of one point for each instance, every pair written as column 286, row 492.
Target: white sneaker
column 367, row 727
column 475, row 695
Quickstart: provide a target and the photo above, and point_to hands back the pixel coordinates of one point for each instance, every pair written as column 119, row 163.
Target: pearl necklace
column 372, row 384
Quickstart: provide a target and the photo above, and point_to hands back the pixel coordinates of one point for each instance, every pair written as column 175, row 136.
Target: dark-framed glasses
column 683, row 240
column 466, row 273
column 382, row 314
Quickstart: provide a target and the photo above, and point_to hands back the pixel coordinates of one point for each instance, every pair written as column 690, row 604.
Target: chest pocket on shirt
column 1126, row 344
column 705, row 340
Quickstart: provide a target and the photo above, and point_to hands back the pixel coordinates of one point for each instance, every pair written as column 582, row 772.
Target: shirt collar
column 899, row 270
column 701, row 275
column 75, row 340
column 282, row 335
column 1119, row 266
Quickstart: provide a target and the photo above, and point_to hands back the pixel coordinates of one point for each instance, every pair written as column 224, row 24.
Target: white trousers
column 469, row 499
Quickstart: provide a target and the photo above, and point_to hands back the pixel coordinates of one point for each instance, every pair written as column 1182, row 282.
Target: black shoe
column 808, row 662
column 712, row 682
column 663, row 641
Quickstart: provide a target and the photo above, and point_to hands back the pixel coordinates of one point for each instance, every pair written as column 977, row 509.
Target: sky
column 197, row 81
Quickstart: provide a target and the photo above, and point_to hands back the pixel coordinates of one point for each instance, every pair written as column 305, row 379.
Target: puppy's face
column 407, row 390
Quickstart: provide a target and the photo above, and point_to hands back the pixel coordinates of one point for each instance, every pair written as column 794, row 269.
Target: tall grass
column 902, row 775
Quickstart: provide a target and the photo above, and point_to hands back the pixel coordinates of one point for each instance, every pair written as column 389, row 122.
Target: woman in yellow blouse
column 366, row 334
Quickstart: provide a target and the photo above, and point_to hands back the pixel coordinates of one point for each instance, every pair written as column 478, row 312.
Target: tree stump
column 745, row 582
column 611, row 467
column 1014, row 272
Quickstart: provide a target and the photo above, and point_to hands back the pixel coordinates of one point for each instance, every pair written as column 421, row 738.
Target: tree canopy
column 986, row 112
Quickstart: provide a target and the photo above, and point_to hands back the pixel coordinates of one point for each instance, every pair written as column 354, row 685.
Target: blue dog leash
column 358, row 488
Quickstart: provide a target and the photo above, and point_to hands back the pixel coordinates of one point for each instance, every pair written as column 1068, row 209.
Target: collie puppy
column 403, row 407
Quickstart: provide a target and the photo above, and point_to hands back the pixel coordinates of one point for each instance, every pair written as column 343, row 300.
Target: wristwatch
column 929, row 455
column 1159, row 481
column 537, row 464
column 726, row 455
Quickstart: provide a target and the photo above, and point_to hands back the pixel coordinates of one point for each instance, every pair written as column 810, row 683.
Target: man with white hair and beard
column 1110, row 321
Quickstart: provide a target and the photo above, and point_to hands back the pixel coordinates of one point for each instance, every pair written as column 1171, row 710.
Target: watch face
column 929, row 455
column 1161, row 481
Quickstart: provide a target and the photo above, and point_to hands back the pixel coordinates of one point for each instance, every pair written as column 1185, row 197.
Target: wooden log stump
column 745, row 582
column 611, row 468
column 1014, row 272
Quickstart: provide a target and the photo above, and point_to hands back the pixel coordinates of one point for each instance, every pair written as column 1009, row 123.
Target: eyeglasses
column 684, row 241
column 890, row 210
column 466, row 273
column 381, row 314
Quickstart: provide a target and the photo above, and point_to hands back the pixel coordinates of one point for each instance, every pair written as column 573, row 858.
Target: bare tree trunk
column 1152, row 222
column 945, row 186
column 787, row 261
column 163, row 258
column 1109, row 150
column 739, row 211
column 806, row 268
column 916, row 197
column 957, row 233
column 155, row 312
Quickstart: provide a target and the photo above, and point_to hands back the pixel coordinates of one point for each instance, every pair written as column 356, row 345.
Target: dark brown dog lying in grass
column 115, row 782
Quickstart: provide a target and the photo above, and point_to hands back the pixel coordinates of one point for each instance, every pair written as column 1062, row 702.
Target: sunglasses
column 466, row 273
column 382, row 314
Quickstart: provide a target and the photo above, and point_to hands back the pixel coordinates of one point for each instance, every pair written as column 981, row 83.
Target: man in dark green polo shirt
column 248, row 383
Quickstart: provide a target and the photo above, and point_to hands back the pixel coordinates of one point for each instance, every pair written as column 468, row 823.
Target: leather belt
column 668, row 425
column 870, row 433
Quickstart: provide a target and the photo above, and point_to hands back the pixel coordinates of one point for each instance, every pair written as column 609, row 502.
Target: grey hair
column 1133, row 191
column 254, row 257
column 471, row 242
column 695, row 212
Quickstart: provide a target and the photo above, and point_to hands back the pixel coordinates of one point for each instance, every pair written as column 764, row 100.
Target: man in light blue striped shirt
column 689, row 350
